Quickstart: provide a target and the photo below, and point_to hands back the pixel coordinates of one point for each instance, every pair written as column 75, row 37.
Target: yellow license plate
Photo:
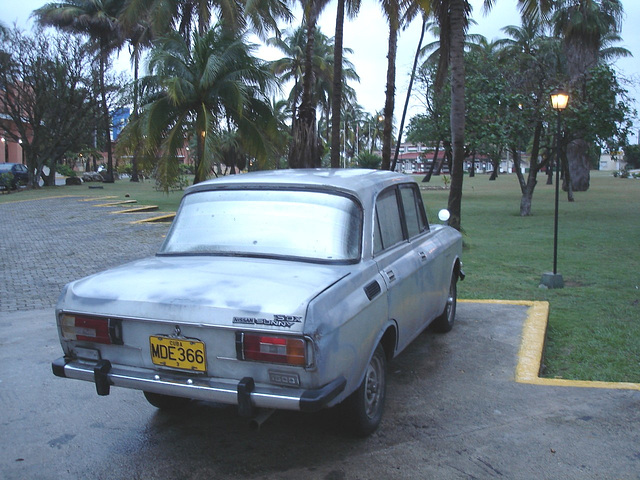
column 178, row 353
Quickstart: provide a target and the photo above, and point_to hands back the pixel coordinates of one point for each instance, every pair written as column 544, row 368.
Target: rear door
column 400, row 230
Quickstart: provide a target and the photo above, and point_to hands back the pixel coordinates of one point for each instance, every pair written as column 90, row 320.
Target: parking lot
column 453, row 407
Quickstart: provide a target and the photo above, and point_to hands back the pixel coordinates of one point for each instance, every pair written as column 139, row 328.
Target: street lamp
column 559, row 101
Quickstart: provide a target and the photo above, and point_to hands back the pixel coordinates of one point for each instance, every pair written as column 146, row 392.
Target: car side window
column 388, row 224
column 413, row 210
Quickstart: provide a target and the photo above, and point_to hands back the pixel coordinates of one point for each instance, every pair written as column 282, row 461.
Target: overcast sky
column 367, row 36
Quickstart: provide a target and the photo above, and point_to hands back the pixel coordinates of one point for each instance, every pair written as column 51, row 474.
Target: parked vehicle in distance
column 20, row 175
column 272, row 290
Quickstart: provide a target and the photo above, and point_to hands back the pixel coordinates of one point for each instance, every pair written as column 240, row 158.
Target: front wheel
column 444, row 323
column 365, row 406
column 165, row 402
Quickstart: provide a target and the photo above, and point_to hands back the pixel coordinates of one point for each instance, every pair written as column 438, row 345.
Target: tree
column 393, row 12
column 199, row 90
column 304, row 151
column 139, row 35
column 533, row 65
column 453, row 19
column 45, row 84
column 336, row 99
column 187, row 16
column 98, row 20
column 632, row 156
column 584, row 25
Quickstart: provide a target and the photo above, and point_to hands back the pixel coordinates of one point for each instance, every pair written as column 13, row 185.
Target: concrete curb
column 532, row 345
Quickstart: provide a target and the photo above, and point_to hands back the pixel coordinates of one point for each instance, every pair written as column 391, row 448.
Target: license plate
column 178, row 353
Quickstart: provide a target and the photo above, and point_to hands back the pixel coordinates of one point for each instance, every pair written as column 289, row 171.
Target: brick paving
column 47, row 243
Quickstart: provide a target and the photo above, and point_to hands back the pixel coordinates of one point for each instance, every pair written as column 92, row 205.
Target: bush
column 124, row 169
column 65, row 170
column 369, row 160
column 6, row 179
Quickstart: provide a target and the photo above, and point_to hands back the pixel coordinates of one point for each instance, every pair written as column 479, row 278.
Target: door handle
column 390, row 275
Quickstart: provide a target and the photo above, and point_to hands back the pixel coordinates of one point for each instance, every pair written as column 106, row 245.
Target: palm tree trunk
column 136, row 93
column 336, row 100
column 427, row 177
column 456, row 57
column 406, row 102
column 390, row 92
column 105, row 110
column 304, row 151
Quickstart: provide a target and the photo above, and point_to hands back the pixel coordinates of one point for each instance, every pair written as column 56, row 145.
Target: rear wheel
column 165, row 402
column 365, row 406
column 444, row 323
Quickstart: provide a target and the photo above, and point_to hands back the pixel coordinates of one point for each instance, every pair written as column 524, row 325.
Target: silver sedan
column 273, row 290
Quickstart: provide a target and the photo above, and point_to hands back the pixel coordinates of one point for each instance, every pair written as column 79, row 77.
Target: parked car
column 272, row 290
column 20, row 175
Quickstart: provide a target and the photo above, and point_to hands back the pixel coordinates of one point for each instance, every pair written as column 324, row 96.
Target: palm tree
column 98, row 20
column 584, row 26
column 412, row 11
column 140, row 36
column 453, row 19
column 352, row 7
column 198, row 87
column 393, row 12
column 185, row 16
column 291, row 67
column 304, row 151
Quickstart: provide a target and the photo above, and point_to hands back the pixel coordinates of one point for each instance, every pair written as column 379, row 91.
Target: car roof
column 352, row 180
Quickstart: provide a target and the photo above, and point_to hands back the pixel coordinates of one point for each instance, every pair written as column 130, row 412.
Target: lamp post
column 559, row 101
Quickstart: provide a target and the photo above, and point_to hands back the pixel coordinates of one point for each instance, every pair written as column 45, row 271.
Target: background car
column 19, row 172
column 273, row 290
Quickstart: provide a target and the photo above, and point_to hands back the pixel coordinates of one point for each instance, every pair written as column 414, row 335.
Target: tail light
column 91, row 329
column 272, row 349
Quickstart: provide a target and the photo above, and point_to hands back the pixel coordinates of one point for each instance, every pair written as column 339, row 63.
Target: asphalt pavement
column 454, row 408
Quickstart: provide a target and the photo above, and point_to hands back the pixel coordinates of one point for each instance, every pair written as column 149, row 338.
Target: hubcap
column 373, row 387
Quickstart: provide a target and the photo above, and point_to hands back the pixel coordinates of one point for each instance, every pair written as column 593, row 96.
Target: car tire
column 365, row 406
column 165, row 402
column 444, row 323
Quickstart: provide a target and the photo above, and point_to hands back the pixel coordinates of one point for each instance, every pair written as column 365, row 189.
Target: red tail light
column 91, row 329
column 273, row 349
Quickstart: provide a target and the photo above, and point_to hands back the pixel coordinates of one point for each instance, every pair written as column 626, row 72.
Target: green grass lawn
column 144, row 192
column 594, row 325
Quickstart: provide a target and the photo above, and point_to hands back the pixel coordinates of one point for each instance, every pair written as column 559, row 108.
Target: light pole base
column 551, row 280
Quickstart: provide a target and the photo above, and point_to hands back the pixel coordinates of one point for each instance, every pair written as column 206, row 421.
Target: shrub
column 65, row 170
column 6, row 179
column 369, row 160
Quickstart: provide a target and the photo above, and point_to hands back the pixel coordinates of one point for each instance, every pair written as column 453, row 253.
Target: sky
column 367, row 37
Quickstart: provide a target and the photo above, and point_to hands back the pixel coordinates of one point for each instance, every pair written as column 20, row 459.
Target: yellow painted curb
column 117, row 204
column 158, row 219
column 532, row 345
column 144, row 209
column 98, row 199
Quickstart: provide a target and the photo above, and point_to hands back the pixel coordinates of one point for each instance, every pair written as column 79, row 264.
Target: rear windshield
column 315, row 226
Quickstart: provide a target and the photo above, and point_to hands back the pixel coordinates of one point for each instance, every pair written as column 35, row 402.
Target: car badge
column 177, row 331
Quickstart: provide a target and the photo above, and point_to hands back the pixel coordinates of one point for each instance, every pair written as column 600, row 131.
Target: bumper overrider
column 245, row 393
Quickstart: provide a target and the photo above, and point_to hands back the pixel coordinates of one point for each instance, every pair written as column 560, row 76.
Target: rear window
column 316, row 226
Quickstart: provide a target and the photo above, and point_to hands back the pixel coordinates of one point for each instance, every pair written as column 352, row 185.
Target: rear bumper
column 243, row 393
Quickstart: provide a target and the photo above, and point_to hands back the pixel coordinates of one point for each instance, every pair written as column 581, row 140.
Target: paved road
column 48, row 243
column 453, row 408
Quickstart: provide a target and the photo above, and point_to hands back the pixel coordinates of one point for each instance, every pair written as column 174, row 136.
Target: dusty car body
column 273, row 290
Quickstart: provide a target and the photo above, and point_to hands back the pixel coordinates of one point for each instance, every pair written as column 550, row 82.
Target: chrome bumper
column 243, row 393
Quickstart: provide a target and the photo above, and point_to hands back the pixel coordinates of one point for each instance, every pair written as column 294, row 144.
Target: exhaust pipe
column 256, row 422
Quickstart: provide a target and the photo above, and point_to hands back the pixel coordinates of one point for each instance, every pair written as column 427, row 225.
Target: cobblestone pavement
column 47, row 243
